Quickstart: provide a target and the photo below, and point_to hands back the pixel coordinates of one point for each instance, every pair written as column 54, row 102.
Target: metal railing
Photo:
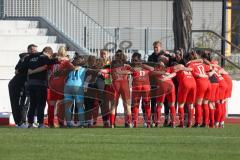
column 218, row 53
column 131, row 39
column 67, row 17
column 217, row 35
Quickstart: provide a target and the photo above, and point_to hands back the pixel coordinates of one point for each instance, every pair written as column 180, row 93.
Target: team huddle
column 191, row 84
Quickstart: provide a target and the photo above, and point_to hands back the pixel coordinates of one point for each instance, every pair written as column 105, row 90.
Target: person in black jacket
column 152, row 61
column 16, row 88
column 37, row 84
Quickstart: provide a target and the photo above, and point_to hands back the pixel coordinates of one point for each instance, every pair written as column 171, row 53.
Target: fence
column 64, row 15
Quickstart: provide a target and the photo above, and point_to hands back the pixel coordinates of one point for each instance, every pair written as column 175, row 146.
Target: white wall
column 234, row 101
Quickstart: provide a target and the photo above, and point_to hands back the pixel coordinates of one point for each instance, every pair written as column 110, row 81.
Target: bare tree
column 182, row 24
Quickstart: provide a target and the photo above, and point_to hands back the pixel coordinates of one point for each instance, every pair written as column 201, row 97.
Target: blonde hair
column 106, row 52
column 62, row 52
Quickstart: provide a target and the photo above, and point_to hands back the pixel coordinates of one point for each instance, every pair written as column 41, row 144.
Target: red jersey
column 117, row 75
column 218, row 75
column 56, row 83
column 184, row 76
column 229, row 83
column 199, row 69
column 223, row 86
column 140, row 75
column 168, row 70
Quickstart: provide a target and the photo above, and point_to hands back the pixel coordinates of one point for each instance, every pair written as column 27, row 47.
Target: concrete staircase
column 15, row 36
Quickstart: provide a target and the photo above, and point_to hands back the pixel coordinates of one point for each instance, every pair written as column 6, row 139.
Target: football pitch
column 120, row 143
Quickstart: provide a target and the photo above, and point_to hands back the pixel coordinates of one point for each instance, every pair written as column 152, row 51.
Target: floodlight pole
column 224, row 3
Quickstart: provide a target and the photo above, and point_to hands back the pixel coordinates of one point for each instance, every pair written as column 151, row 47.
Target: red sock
column 158, row 114
column 148, row 114
column 190, row 115
column 112, row 119
column 198, row 114
column 173, row 114
column 135, row 115
column 50, row 115
column 212, row 120
column 223, row 106
column 181, row 115
column 218, row 112
column 206, row 114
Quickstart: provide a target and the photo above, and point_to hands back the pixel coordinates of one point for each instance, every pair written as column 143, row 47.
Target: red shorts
column 228, row 80
column 140, row 91
column 166, row 90
column 213, row 96
column 54, row 96
column 223, row 90
column 203, row 88
column 186, row 92
column 57, row 85
column 121, row 88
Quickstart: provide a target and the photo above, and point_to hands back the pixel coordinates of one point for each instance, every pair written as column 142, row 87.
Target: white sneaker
column 153, row 125
column 222, row 125
column 130, row 125
column 35, row 125
column 145, row 125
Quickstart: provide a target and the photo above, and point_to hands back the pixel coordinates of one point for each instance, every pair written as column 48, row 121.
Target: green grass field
column 120, row 143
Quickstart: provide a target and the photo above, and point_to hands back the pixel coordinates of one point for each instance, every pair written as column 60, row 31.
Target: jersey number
column 201, row 70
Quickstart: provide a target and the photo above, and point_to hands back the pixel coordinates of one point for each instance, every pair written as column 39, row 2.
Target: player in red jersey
column 214, row 85
column 223, row 91
column 166, row 89
column 228, row 80
column 186, row 93
column 229, row 83
column 119, row 74
column 212, row 97
column 228, row 92
column 56, row 87
column 199, row 71
column 140, row 88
